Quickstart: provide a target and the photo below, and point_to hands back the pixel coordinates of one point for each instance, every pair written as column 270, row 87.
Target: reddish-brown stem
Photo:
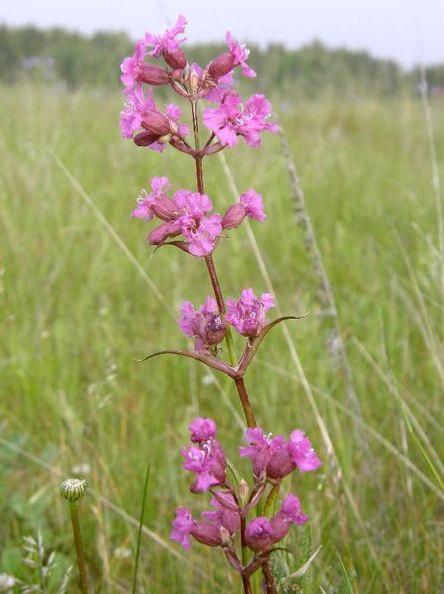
column 246, row 585
column 215, row 282
column 245, row 400
column 270, row 584
column 245, row 579
column 199, row 175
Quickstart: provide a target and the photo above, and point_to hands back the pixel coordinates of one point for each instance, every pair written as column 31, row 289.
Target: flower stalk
column 73, row 491
column 239, row 523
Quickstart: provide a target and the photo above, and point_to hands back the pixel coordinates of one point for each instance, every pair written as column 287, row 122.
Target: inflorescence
column 186, row 219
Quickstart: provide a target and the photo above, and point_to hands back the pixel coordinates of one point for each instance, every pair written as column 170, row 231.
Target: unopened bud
column 155, row 122
column 73, row 489
column 176, row 59
column 158, row 235
column 194, row 81
column 215, row 329
column 145, row 138
column 165, row 209
column 225, row 536
column 244, row 491
column 234, row 216
column 153, row 75
column 221, row 66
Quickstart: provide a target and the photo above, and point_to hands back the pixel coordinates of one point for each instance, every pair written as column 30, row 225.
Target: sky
column 409, row 31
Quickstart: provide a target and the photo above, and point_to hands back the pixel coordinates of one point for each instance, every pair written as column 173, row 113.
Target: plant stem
column 245, row 580
column 209, row 259
column 245, row 401
column 73, row 505
column 139, row 533
column 270, row 584
column 246, row 585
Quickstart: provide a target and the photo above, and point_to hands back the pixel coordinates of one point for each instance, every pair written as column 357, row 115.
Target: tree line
column 74, row 59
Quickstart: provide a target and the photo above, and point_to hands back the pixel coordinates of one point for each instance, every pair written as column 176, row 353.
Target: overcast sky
column 407, row 30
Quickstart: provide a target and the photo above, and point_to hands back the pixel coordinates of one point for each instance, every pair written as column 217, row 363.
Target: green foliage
column 76, row 314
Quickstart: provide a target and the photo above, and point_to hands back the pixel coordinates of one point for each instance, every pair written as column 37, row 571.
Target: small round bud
column 194, row 81
column 244, row 491
column 225, row 536
column 73, row 489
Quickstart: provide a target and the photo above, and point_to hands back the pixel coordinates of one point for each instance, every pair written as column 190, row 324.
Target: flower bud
column 158, row 235
column 175, row 59
column 221, row 66
column 208, row 534
column 165, row 209
column 259, row 534
column 244, row 491
column 224, row 536
column 215, row 329
column 153, row 75
column 153, row 121
column 234, row 216
column 145, row 138
column 194, row 81
column 73, row 489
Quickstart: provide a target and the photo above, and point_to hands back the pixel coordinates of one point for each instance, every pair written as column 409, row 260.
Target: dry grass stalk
column 336, row 344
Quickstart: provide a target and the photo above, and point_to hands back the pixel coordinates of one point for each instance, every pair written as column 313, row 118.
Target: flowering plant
column 186, row 220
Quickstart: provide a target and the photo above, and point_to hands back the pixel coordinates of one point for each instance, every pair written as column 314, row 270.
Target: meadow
column 83, row 297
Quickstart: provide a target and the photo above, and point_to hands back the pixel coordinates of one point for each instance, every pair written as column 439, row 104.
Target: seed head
column 73, row 489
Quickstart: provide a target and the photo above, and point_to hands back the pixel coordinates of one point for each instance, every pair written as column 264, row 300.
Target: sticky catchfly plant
column 241, row 521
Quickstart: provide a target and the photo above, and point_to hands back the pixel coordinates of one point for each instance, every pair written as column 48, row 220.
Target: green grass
column 76, row 313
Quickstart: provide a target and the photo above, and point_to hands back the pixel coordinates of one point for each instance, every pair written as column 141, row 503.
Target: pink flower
column 182, row 526
column 213, row 529
column 131, row 66
column 134, row 70
column 277, row 457
column 250, row 205
column 259, row 450
column 240, row 54
column 262, row 533
column 247, row 314
column 190, row 219
column 140, row 115
column 204, row 324
column 207, row 461
column 136, row 105
column 202, row 429
column 160, row 128
column 259, row 534
column 226, row 513
column 201, row 237
column 269, row 455
column 237, row 55
column 291, row 509
column 232, row 119
column 253, row 204
column 168, row 44
column 150, row 204
column 302, row 452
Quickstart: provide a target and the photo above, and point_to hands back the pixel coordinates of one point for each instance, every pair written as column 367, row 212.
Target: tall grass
column 83, row 298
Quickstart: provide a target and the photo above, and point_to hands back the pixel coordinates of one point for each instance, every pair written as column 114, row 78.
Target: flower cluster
column 186, row 219
column 142, row 121
column 189, row 215
column 246, row 314
column 275, row 457
column 272, row 458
